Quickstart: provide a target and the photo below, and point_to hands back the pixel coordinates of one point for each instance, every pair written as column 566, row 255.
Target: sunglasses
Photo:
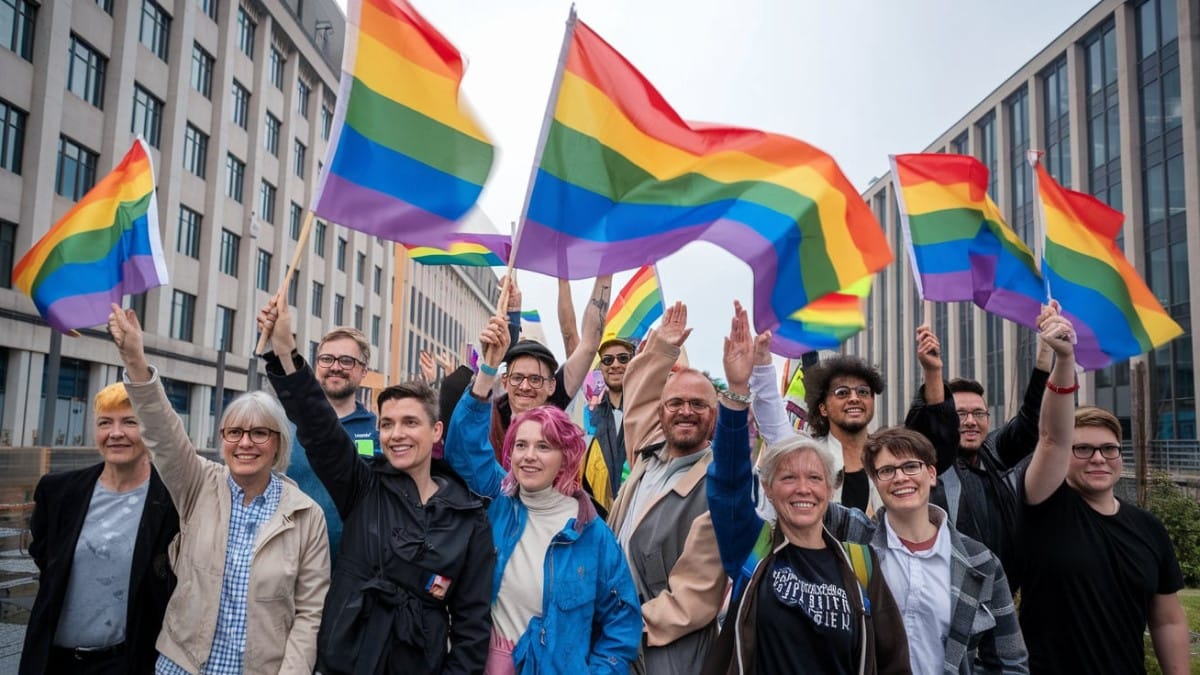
column 621, row 358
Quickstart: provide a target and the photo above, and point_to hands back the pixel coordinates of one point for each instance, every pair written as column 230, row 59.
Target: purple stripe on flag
column 1087, row 349
column 384, row 216
column 947, row 286
column 138, row 274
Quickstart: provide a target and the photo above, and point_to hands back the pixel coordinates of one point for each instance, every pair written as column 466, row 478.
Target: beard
column 338, row 393
column 852, row 427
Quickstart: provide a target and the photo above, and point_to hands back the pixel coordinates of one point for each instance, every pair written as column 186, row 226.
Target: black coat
column 61, row 503
column 380, row 616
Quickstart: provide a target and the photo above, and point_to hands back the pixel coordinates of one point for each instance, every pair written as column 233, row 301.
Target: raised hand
column 762, row 349
column 428, row 367
column 275, row 321
column 674, row 329
column 445, row 360
column 929, row 348
column 126, row 333
column 1056, row 331
column 494, row 341
column 739, row 351
column 514, row 293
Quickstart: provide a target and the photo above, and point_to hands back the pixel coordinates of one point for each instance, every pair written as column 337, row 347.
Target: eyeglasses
column 1086, row 450
column 888, row 472
column 534, row 381
column 698, row 405
column 862, row 391
column 622, row 358
column 258, row 435
column 345, row 361
column 979, row 415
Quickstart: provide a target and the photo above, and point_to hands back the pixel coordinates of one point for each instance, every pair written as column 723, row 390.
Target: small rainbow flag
column 477, row 251
column 623, row 181
column 637, row 307
column 958, row 243
column 107, row 246
column 1114, row 313
column 531, row 316
column 825, row 323
column 406, row 160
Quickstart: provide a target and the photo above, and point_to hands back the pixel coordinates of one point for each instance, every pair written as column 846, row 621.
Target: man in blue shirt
column 340, row 365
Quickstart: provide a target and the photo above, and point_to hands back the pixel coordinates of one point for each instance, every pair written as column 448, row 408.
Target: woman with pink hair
column 562, row 598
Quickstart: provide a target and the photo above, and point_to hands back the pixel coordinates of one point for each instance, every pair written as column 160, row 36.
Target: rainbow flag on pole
column 467, row 251
column 637, row 307
column 107, row 246
column 623, row 181
column 1114, row 313
column 958, row 243
column 406, row 160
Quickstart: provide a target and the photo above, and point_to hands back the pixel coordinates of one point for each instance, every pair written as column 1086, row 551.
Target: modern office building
column 1113, row 103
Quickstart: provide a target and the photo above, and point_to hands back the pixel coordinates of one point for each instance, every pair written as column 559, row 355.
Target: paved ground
column 18, row 584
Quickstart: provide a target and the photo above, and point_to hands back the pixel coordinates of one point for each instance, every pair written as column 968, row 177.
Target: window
column 358, row 317
column 225, row 326
column 147, row 116
column 85, row 72
column 245, row 37
column 1020, row 216
column 16, row 26
column 230, row 243
column 339, row 309
column 8, row 247
column 188, row 236
column 966, row 340
column 195, row 151
column 340, row 254
column 360, row 267
column 377, row 282
column 302, row 92
column 235, row 172
column 295, row 220
column 319, row 238
column 1103, row 114
column 987, row 150
column 299, row 157
column 262, row 271
column 959, row 145
column 105, row 6
column 202, row 70
column 271, row 137
column 318, row 298
column 326, row 122
column 275, row 68
column 375, row 324
column 209, row 8
column 241, row 106
column 183, row 314
column 156, row 28
column 76, row 169
column 266, row 202
column 1056, row 109
column 12, row 136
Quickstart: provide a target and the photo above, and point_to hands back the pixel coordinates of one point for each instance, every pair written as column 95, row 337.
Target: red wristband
column 1062, row 390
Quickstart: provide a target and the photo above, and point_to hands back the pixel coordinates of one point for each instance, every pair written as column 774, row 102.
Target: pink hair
column 561, row 433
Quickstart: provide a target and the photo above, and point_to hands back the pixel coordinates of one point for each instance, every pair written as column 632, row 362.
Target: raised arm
column 646, row 376
column 768, row 407
column 468, row 449
column 579, row 362
column 566, row 317
column 932, row 412
column 1056, row 425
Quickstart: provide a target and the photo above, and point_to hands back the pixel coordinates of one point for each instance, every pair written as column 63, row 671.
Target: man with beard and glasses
column 840, row 397
column 661, row 515
column 341, row 365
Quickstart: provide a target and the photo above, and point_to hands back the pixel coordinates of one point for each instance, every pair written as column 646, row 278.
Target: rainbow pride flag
column 107, row 246
column 531, row 316
column 468, row 251
column 1114, row 313
column 637, row 307
column 406, row 160
column 825, row 323
column 958, row 243
column 623, row 181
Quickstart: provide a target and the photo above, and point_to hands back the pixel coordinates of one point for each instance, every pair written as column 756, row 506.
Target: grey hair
column 775, row 453
column 259, row 408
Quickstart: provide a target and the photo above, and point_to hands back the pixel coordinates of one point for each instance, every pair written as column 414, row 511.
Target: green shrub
column 1181, row 516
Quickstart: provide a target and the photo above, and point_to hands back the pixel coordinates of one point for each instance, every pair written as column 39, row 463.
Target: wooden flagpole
column 263, row 338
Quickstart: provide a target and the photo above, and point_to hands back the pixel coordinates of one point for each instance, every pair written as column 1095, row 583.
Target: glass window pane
column 1172, row 103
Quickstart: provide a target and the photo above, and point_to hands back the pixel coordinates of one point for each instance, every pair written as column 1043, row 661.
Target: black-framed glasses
column 843, row 393
column 534, row 381
column 979, row 415
column 258, row 435
column 345, row 361
column 698, row 405
column 621, row 358
column 1086, row 450
column 910, row 468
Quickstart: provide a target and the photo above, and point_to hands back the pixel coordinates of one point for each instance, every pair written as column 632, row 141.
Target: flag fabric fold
column 406, row 158
column 825, row 323
column 467, row 250
column 623, row 181
column 1115, row 314
column 107, row 246
column 959, row 245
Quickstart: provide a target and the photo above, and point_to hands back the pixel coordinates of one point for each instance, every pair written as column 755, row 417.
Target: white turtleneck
column 520, row 597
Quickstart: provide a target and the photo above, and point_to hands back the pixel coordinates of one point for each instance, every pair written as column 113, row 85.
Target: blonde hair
column 110, row 398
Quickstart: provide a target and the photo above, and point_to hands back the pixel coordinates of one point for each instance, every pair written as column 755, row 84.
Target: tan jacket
column 289, row 570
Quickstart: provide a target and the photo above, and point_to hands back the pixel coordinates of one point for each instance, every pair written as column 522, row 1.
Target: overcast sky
column 858, row 79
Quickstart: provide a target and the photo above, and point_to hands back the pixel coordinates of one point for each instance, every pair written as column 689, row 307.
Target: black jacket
column 61, row 503
column 382, row 614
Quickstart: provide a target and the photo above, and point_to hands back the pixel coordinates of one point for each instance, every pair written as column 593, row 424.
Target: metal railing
column 1177, row 458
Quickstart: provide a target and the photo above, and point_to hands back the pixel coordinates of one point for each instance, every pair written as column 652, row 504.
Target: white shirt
column 920, row 582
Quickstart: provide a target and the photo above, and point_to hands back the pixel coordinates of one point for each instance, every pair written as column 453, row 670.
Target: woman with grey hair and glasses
column 252, row 556
column 802, row 601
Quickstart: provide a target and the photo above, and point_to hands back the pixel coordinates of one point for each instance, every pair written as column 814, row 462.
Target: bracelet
column 737, row 398
column 1062, row 390
column 490, row 371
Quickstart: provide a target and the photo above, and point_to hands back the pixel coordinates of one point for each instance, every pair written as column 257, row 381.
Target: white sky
column 859, row 79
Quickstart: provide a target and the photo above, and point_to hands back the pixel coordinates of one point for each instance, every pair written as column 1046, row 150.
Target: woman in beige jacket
column 252, row 555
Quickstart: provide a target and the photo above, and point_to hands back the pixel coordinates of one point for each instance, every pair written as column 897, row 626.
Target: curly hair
column 818, row 377
column 559, row 432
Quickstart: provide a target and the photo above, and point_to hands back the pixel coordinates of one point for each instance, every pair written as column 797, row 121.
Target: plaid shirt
column 229, row 641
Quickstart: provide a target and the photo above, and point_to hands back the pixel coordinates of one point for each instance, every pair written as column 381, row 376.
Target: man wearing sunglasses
column 605, row 458
column 340, row 366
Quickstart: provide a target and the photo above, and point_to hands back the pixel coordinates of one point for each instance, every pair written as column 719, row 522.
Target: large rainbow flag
column 825, row 323
column 637, row 307
column 1114, row 313
column 466, row 250
column 623, row 181
column 406, row 160
column 107, row 246
column 958, row 243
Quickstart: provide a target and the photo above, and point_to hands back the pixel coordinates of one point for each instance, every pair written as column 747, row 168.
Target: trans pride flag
column 622, row 181
column 406, row 161
column 107, row 246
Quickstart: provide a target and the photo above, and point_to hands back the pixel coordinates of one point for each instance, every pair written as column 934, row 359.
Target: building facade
column 1112, row 102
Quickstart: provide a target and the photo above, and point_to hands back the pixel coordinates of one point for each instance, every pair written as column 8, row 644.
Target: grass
column 1190, row 598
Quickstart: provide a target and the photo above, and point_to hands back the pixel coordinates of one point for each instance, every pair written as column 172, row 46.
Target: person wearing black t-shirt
column 1098, row 570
